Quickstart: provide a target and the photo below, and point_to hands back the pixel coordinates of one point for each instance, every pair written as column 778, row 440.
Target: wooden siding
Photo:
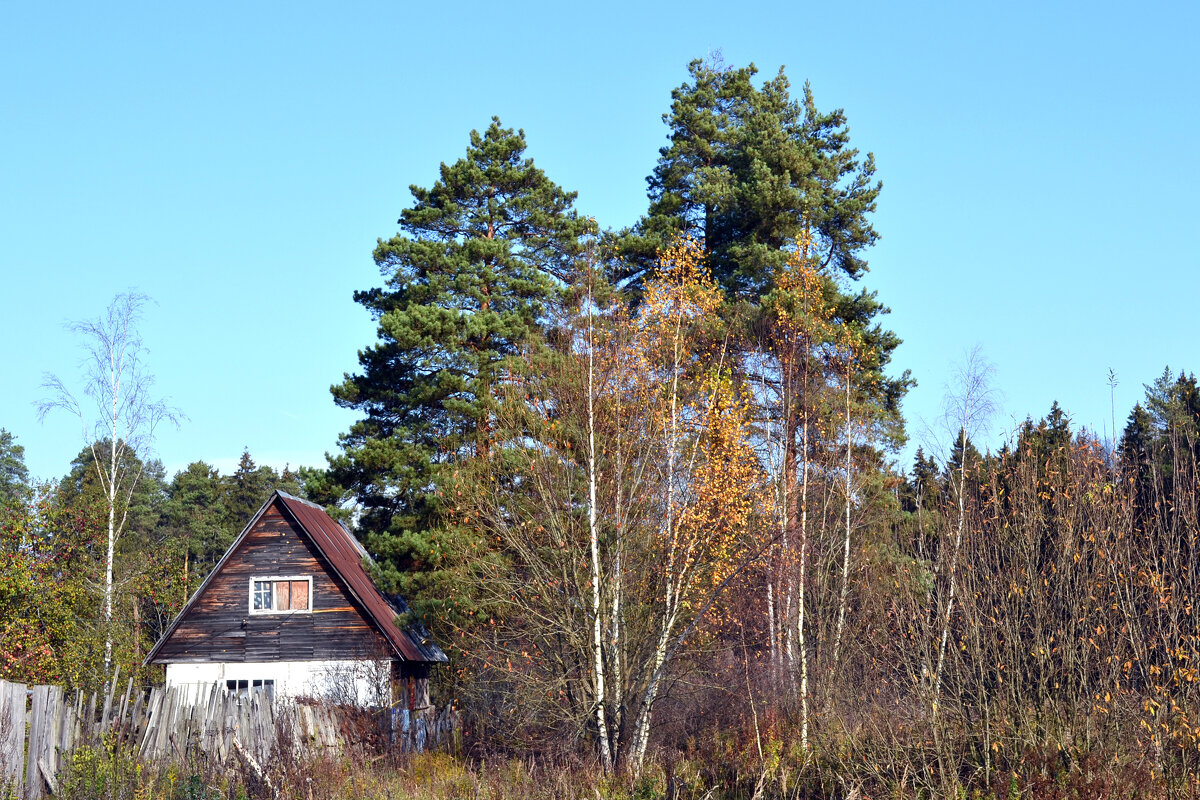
column 220, row 627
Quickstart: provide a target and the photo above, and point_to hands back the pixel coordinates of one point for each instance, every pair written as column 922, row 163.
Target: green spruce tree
column 196, row 520
column 246, row 490
column 14, row 476
column 250, row 485
column 964, row 457
column 1137, row 460
column 922, row 488
column 1047, row 443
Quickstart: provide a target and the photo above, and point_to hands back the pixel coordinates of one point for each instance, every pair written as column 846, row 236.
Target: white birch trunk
column 641, row 734
column 618, row 577
column 111, row 487
column 962, row 485
column 594, row 539
column 774, row 650
column 841, row 619
column 803, row 578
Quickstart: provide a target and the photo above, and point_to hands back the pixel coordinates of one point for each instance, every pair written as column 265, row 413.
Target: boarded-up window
column 299, row 596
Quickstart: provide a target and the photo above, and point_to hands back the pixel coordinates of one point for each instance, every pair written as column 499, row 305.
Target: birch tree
column 710, row 477
column 598, row 666
column 118, row 417
column 619, row 503
column 968, row 405
column 800, row 321
column 849, row 345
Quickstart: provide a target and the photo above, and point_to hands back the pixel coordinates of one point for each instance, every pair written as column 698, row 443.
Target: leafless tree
column 968, row 405
column 116, row 407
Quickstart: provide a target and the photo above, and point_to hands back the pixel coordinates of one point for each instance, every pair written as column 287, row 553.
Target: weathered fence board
column 40, row 727
column 12, row 735
column 44, row 725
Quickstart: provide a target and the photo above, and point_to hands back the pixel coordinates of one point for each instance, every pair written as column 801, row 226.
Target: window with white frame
column 243, row 688
column 281, row 594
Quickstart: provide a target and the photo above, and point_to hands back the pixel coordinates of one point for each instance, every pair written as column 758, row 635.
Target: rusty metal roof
column 346, row 556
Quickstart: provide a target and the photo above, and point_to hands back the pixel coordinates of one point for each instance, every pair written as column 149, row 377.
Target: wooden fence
column 40, row 727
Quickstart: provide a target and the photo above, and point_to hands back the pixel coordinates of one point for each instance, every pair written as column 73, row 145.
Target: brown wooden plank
column 299, row 596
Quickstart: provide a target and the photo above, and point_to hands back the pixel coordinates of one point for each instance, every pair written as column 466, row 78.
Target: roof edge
column 209, row 578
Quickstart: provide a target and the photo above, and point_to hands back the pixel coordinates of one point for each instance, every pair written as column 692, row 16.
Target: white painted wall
column 365, row 682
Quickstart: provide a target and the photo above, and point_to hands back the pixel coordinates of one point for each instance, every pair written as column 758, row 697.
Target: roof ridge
column 309, row 503
column 351, row 538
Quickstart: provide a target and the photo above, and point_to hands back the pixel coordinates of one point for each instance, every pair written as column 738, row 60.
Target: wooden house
column 290, row 608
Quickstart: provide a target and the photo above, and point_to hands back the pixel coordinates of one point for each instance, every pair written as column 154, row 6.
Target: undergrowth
column 766, row 764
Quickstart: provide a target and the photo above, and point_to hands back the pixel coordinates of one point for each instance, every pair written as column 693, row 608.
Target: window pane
column 262, row 596
column 282, row 601
column 299, row 596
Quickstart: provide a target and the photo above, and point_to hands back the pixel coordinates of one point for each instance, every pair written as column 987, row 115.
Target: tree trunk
column 803, row 576
column 845, row 591
column 641, row 734
column 111, row 491
column 958, row 535
column 594, row 541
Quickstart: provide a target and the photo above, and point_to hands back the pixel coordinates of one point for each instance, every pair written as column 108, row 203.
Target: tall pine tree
column 479, row 257
column 751, row 170
column 756, row 173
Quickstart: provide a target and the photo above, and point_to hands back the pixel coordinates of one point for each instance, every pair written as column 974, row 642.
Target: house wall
column 353, row 681
column 220, row 628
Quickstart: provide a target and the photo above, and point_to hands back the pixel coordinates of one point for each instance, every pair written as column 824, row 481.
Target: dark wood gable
column 217, row 624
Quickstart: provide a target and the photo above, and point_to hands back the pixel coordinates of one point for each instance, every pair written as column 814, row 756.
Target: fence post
column 12, row 735
column 37, row 734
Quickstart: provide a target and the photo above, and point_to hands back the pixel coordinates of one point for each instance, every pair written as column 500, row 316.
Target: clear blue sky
column 237, row 162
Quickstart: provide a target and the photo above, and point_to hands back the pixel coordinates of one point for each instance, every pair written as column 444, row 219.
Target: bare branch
column 120, row 424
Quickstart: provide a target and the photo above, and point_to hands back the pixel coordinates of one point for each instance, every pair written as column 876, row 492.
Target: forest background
column 649, row 485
